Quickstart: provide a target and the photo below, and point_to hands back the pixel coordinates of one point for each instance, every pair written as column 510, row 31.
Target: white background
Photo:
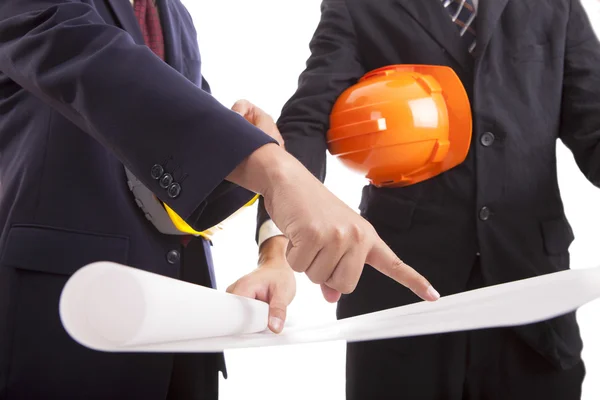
column 256, row 50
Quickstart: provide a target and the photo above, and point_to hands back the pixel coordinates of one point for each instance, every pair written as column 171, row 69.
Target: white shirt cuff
column 267, row 230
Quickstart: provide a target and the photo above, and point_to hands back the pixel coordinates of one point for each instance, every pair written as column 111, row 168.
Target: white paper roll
column 106, row 304
column 115, row 308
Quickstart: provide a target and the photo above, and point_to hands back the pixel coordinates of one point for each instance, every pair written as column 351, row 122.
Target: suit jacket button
column 487, row 139
column 484, row 213
column 174, row 190
column 165, row 180
column 156, row 171
column 173, row 257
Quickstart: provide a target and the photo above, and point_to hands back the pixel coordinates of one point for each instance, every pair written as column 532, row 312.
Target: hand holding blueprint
column 114, row 308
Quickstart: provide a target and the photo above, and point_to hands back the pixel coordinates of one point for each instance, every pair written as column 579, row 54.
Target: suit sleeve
column 124, row 96
column 333, row 66
column 580, row 126
column 223, row 201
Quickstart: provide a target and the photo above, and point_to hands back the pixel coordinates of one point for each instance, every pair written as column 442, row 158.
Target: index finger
column 383, row 259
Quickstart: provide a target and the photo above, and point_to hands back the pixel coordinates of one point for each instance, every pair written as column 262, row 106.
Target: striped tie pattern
column 463, row 14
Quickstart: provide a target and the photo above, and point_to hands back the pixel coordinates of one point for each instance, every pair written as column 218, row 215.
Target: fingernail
column 276, row 324
column 433, row 294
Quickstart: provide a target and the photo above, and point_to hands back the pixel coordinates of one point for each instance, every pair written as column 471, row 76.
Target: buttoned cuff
column 267, row 230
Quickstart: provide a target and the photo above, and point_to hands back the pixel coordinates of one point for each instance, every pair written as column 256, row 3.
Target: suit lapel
column 172, row 38
column 126, row 18
column 488, row 16
column 436, row 21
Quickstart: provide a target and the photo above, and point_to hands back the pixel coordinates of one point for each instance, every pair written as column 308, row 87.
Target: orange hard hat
column 402, row 124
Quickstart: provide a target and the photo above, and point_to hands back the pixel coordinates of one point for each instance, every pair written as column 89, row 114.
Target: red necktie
column 147, row 16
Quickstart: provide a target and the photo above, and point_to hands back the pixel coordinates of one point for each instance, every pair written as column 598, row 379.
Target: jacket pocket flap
column 58, row 251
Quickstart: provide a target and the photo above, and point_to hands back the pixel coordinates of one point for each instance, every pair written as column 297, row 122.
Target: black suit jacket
column 81, row 96
column 534, row 78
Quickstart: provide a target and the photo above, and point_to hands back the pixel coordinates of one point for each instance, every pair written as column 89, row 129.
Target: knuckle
column 338, row 235
column 344, row 286
column 358, row 233
column 242, row 289
column 398, row 265
column 347, row 287
column 315, row 232
column 401, row 272
column 245, row 283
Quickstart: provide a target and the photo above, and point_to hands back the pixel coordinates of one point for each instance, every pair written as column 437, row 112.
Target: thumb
column 331, row 295
column 278, row 310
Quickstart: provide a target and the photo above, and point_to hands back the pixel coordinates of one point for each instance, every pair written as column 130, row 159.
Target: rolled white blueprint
column 106, row 305
column 114, row 308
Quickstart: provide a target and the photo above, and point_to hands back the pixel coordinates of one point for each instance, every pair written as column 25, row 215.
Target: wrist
column 267, row 167
column 273, row 249
column 278, row 171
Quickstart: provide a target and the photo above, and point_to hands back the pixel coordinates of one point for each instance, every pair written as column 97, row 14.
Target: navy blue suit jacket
column 80, row 97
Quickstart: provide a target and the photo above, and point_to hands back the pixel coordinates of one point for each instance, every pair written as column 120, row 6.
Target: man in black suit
column 86, row 89
column 531, row 69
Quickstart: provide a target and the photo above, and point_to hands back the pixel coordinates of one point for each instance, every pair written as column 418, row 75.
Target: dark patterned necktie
column 147, row 16
column 463, row 14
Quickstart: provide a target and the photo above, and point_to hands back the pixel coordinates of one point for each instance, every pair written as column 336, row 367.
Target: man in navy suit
column 88, row 87
column 531, row 69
